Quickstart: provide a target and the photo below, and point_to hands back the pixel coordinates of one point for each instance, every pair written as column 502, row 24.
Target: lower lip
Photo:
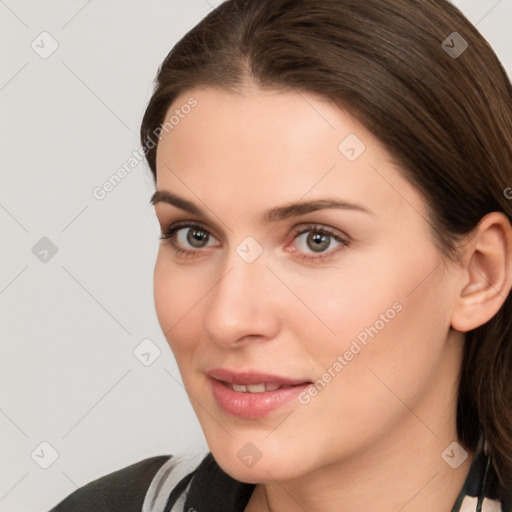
column 253, row 405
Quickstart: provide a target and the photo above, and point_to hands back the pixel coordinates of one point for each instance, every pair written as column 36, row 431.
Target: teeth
column 255, row 388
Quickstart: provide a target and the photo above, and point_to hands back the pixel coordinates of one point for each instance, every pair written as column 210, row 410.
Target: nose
column 242, row 305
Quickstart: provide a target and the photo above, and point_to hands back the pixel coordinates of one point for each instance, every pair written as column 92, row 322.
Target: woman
column 333, row 184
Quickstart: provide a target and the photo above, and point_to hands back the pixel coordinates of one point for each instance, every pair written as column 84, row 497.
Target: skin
column 375, row 433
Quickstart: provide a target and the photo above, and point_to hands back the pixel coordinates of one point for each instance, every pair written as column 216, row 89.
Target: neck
column 406, row 474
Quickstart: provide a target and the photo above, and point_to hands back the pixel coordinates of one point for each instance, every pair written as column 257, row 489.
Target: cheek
column 391, row 324
column 377, row 310
column 384, row 288
column 177, row 296
column 341, row 303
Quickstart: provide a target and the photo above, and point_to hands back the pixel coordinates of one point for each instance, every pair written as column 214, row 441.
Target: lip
column 252, row 405
column 251, row 377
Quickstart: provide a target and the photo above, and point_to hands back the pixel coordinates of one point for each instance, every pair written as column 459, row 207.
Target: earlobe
column 487, row 276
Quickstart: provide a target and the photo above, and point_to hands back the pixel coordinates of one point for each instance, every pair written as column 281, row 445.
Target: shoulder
column 123, row 490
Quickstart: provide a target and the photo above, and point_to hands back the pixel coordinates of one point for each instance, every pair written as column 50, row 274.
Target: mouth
column 252, row 395
column 257, row 388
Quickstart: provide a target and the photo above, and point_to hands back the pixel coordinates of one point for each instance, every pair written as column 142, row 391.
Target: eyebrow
column 276, row 214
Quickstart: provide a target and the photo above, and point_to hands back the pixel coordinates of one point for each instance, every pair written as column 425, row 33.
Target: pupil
column 318, row 241
column 197, row 237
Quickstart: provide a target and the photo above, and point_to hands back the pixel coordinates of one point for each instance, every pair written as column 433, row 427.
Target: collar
column 482, row 491
column 213, row 490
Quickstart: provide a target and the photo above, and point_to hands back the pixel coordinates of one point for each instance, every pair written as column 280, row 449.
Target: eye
column 188, row 238
column 314, row 240
column 317, row 242
column 196, row 237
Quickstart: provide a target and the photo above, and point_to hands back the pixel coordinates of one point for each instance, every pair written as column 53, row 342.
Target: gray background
column 72, row 320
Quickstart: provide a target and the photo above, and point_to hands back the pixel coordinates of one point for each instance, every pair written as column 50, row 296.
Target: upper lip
column 250, row 377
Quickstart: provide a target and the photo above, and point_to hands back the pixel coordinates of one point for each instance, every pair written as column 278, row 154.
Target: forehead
column 274, row 146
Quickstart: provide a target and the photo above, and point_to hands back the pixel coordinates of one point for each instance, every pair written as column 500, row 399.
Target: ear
column 487, row 273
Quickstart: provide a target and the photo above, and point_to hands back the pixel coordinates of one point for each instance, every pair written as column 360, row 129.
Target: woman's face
column 301, row 260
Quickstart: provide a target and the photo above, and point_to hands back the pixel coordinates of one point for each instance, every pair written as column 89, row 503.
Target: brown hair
column 445, row 118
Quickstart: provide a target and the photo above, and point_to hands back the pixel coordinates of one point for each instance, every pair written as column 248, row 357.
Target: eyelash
column 169, row 234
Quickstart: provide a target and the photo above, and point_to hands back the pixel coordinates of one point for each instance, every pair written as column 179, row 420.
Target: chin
column 262, row 470
column 258, row 474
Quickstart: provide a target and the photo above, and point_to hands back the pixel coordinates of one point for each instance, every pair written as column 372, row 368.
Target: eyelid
column 168, row 217
column 180, row 224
